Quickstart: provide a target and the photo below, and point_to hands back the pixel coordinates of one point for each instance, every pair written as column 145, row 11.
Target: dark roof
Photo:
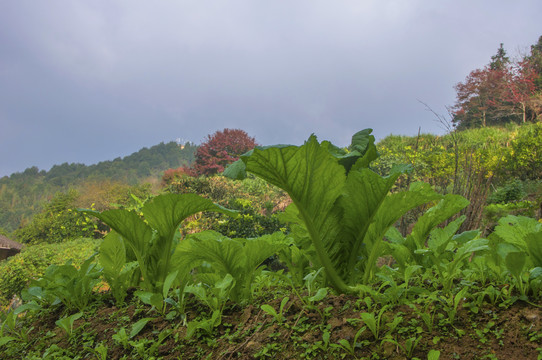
column 6, row 243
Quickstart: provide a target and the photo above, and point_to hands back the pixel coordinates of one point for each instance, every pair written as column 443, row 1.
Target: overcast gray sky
column 86, row 81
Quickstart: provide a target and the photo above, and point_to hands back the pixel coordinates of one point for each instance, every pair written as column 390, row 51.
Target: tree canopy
column 221, row 149
column 501, row 92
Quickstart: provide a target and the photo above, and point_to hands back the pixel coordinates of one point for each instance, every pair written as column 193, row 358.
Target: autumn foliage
column 503, row 91
column 171, row 174
column 220, row 149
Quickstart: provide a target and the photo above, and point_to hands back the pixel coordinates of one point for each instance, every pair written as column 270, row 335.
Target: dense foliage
column 201, row 294
column 23, row 194
column 220, row 149
column 474, row 163
column 503, row 91
column 58, row 222
column 257, row 201
column 31, row 262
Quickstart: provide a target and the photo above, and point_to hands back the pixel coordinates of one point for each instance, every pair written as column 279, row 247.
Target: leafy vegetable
column 153, row 240
column 344, row 207
column 524, row 233
column 67, row 284
column 238, row 258
column 277, row 316
column 66, row 323
column 117, row 272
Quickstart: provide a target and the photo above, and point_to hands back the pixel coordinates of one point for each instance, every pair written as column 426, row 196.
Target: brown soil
column 249, row 332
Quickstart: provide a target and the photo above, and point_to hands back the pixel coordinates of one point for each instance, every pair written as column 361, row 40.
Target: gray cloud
column 90, row 81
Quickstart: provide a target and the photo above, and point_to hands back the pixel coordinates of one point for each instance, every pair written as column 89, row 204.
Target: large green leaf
column 470, row 247
column 112, row 255
column 236, row 170
column 259, row 249
column 440, row 237
column 515, row 263
column 524, row 234
column 534, row 246
column 164, row 214
column 466, row 236
column 450, row 205
column 314, row 180
column 225, row 255
column 514, row 229
column 390, row 210
column 237, row 257
column 503, row 249
column 365, row 192
column 133, row 230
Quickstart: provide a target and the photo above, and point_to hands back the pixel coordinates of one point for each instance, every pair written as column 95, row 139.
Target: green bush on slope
column 31, row 262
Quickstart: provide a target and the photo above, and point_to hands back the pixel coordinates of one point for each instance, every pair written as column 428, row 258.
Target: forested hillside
column 23, row 194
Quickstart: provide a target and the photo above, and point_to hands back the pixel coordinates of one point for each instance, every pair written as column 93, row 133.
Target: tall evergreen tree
column 500, row 60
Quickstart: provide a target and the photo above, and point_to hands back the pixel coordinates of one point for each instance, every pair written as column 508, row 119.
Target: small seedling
column 408, row 347
column 374, row 322
column 350, row 348
column 99, row 351
column 278, row 317
column 206, row 325
column 148, row 352
column 433, row 355
column 123, row 338
column 66, row 323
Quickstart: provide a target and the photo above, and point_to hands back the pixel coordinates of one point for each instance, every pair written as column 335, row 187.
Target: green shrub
column 494, row 212
column 249, row 224
column 216, row 188
column 525, row 157
column 58, row 222
column 254, row 198
column 512, row 191
column 31, row 262
column 4, row 232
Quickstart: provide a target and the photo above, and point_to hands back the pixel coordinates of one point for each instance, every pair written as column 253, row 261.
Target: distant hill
column 22, row 193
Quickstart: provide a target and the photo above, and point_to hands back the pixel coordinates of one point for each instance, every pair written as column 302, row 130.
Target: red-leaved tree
column 503, row 91
column 221, row 149
column 480, row 98
column 521, row 86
